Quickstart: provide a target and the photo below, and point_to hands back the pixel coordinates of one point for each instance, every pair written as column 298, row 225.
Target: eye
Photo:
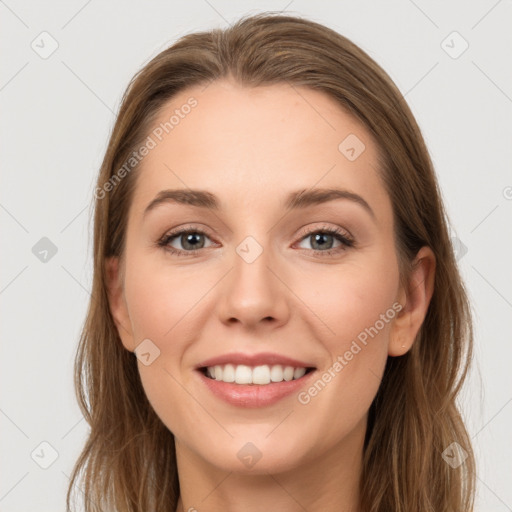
column 191, row 241
column 322, row 240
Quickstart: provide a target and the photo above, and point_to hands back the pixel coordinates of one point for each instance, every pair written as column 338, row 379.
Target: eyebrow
column 295, row 200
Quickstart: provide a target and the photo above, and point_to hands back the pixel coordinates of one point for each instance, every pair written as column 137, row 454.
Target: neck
column 326, row 482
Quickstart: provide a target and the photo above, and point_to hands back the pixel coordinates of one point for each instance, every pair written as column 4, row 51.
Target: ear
column 117, row 303
column 415, row 299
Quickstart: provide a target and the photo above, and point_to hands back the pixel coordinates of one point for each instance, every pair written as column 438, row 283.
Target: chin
column 256, row 454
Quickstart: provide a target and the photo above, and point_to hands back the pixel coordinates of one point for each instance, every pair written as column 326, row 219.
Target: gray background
column 57, row 113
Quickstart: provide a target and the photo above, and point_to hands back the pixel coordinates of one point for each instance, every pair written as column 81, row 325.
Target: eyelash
column 346, row 241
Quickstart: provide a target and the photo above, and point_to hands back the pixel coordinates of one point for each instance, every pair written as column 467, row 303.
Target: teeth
column 298, row 373
column 261, row 375
column 228, row 373
column 243, row 374
column 265, row 374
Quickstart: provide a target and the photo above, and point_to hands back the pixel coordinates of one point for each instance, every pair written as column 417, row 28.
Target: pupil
column 322, row 244
column 190, row 238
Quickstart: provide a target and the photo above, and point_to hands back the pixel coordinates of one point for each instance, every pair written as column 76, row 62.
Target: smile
column 258, row 375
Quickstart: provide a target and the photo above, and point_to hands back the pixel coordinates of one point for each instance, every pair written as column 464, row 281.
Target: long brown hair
column 128, row 462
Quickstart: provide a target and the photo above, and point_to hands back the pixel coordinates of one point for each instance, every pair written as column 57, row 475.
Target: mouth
column 254, row 386
column 261, row 375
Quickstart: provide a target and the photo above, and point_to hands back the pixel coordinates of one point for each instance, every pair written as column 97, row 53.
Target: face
column 316, row 281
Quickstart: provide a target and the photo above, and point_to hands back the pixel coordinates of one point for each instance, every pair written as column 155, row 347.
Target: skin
column 240, row 143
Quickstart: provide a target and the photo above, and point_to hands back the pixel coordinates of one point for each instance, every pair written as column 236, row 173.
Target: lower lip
column 254, row 395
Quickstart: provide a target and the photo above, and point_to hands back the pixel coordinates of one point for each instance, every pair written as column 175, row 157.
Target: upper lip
column 269, row 358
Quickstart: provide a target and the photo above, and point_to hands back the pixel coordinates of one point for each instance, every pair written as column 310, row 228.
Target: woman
column 277, row 322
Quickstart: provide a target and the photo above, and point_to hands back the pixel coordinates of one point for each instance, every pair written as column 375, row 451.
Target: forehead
column 252, row 146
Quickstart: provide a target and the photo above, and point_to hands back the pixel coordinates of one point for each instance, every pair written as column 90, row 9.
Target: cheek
column 161, row 302
column 356, row 316
column 167, row 306
column 353, row 318
column 161, row 308
column 353, row 302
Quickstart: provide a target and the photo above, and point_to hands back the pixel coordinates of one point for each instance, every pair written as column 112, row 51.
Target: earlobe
column 117, row 302
column 415, row 300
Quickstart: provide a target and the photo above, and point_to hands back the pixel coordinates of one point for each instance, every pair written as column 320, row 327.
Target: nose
column 254, row 293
